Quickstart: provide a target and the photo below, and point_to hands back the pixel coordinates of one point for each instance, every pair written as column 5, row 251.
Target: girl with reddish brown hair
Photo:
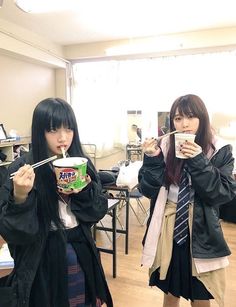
column 184, row 246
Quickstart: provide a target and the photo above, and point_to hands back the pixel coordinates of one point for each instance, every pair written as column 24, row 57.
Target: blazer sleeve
column 151, row 175
column 212, row 179
column 90, row 205
column 18, row 222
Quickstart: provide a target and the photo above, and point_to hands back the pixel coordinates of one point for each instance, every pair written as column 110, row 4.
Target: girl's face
column 60, row 137
column 186, row 123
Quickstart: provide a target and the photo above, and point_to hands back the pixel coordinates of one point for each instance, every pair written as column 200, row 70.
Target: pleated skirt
column 179, row 280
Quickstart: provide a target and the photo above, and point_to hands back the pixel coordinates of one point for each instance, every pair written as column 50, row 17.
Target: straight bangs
column 185, row 107
column 51, row 113
column 59, row 116
column 191, row 106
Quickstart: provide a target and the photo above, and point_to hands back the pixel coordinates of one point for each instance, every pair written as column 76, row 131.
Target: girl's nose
column 62, row 136
column 185, row 122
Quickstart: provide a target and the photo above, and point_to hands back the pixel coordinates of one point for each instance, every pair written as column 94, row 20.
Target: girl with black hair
column 49, row 233
column 184, row 246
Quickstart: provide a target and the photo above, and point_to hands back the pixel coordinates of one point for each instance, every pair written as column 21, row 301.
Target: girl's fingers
column 25, row 170
column 72, row 191
column 88, row 178
column 190, row 149
column 149, row 143
column 24, row 178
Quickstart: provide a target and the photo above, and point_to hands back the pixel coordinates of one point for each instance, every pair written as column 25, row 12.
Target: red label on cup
column 67, row 175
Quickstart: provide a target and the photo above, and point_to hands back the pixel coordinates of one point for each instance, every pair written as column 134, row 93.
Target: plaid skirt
column 76, row 280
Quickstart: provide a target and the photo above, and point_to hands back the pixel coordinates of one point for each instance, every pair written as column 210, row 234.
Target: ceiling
column 83, row 21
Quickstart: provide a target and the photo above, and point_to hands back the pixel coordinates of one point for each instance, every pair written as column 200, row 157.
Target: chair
column 135, row 194
column 133, row 150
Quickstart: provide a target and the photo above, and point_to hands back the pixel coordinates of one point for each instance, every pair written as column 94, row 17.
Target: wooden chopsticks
column 37, row 164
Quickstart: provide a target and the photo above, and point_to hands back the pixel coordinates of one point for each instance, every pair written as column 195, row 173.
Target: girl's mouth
column 61, row 146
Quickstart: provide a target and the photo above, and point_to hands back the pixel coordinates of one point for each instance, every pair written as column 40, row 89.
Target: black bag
column 108, row 177
column 3, row 157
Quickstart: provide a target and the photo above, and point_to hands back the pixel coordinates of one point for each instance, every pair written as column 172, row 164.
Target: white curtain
column 105, row 90
column 99, row 109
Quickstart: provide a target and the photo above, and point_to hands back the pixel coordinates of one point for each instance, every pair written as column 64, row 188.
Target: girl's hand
column 150, row 147
column 190, row 149
column 23, row 182
column 75, row 191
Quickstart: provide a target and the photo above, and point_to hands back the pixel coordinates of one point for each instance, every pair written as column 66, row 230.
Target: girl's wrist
column 154, row 153
column 19, row 199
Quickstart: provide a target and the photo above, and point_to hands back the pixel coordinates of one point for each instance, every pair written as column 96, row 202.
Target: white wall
column 26, row 44
column 22, row 85
column 32, row 69
column 182, row 43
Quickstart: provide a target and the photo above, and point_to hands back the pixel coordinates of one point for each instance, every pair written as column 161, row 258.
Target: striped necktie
column 182, row 213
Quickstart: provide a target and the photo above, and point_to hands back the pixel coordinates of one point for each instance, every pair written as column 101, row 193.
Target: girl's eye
column 177, row 118
column 69, row 129
column 53, row 130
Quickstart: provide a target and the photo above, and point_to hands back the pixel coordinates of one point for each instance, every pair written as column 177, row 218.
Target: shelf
column 7, row 148
column 22, row 141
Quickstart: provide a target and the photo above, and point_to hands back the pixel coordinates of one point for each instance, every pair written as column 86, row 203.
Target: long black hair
column 52, row 113
column 188, row 105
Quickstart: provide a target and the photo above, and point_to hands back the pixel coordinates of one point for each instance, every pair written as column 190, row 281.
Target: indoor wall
column 23, row 85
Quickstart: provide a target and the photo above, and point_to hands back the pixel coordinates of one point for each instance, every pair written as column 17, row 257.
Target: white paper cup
column 180, row 138
column 70, row 173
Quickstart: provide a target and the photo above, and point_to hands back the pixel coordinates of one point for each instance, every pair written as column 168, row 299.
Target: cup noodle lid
column 70, row 162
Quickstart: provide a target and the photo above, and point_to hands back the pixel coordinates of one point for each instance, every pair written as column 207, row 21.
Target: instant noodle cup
column 70, row 173
column 180, row 138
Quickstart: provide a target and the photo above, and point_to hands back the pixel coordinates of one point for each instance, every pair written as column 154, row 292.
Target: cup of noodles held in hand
column 180, row 138
column 70, row 173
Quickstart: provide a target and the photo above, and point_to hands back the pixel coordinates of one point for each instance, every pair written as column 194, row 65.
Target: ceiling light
column 24, row 5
